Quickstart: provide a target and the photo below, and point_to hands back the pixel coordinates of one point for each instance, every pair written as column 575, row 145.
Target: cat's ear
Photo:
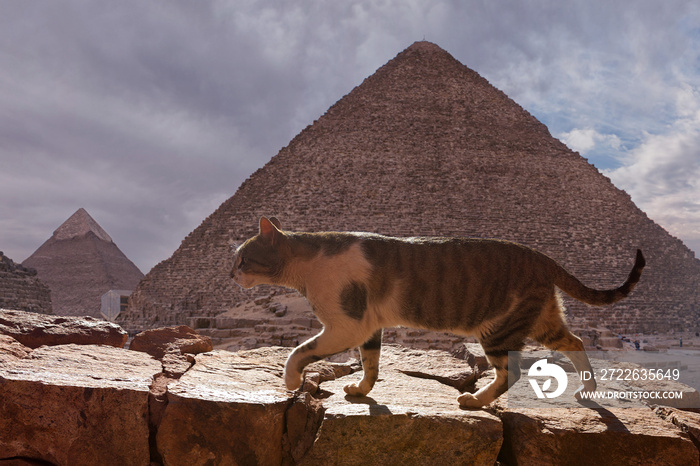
column 276, row 223
column 268, row 230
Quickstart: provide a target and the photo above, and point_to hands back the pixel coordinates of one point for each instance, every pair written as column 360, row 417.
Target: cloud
column 149, row 114
column 663, row 173
column 584, row 140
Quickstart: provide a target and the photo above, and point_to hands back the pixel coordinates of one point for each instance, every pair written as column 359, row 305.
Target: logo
column 542, row 368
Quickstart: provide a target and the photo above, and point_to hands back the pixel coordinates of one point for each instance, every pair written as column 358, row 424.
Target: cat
column 359, row 283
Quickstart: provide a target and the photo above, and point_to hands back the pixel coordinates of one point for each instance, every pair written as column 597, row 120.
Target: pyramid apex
column 425, row 45
column 79, row 224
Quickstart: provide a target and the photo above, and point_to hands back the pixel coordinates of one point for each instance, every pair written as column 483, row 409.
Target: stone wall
column 426, row 146
column 20, row 288
column 93, row 404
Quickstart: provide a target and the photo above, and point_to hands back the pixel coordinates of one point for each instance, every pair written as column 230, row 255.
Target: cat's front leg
column 326, row 343
column 369, row 352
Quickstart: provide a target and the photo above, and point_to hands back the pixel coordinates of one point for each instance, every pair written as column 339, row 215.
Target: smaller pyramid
column 80, row 263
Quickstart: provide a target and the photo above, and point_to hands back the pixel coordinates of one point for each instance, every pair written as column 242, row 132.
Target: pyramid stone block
column 21, row 289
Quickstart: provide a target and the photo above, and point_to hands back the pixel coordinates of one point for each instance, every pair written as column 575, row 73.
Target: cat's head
column 260, row 260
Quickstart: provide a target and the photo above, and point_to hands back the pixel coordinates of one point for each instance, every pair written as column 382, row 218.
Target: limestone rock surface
column 11, row 349
column 34, row 330
column 405, row 420
column 430, row 364
column 181, row 340
column 231, row 406
column 94, row 404
column 610, row 436
column 688, row 421
column 77, row 405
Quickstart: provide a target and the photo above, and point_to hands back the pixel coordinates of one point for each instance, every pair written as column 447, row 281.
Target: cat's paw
column 354, row 389
column 292, row 379
column 467, row 400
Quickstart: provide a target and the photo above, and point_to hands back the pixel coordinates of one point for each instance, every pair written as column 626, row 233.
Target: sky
column 150, row 114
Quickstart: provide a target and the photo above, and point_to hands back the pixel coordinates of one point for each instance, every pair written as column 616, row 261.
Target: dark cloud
column 150, row 114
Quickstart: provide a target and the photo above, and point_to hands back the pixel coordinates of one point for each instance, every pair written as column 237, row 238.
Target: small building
column 114, row 302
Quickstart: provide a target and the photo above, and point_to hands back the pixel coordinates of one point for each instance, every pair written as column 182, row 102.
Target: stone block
column 228, row 409
column 77, row 405
column 404, row 420
column 34, row 330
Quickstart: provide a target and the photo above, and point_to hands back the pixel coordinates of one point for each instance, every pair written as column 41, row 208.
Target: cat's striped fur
column 359, row 283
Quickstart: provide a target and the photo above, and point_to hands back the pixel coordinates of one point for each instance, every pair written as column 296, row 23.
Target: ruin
column 426, row 146
column 21, row 289
column 80, row 263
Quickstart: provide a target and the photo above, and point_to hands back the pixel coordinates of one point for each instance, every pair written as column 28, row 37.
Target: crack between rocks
column 297, row 440
column 157, row 405
column 28, row 461
column 677, row 423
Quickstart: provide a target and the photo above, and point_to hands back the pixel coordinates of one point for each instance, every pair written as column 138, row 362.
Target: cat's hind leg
column 506, row 375
column 572, row 347
column 369, row 352
column 498, row 338
column 553, row 333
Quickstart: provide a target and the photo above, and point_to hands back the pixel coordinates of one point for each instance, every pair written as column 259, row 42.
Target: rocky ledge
column 71, row 404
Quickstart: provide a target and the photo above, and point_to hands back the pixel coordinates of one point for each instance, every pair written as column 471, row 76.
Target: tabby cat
column 359, row 283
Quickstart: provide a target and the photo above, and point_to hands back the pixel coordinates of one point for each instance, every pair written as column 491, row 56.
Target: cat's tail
column 574, row 288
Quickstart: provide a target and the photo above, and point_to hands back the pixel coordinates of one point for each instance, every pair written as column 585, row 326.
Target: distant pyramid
column 426, row 146
column 80, row 263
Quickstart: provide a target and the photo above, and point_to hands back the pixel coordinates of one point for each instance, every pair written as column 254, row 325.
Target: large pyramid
column 426, row 146
column 80, row 263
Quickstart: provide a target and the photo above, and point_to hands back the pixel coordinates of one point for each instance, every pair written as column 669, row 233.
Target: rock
column 89, row 404
column 77, row 405
column 182, row 339
column 262, row 300
column 11, row 349
column 34, row 330
column 429, row 364
column 328, row 370
column 304, row 418
column 232, row 322
column 610, row 342
column 580, row 435
column 231, row 406
column 405, row 420
column 474, row 354
column 175, row 365
column 688, row 421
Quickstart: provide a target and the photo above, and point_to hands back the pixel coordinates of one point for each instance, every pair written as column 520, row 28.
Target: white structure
column 113, row 302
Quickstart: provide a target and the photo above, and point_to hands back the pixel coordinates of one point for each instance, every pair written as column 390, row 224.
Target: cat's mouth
column 242, row 281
